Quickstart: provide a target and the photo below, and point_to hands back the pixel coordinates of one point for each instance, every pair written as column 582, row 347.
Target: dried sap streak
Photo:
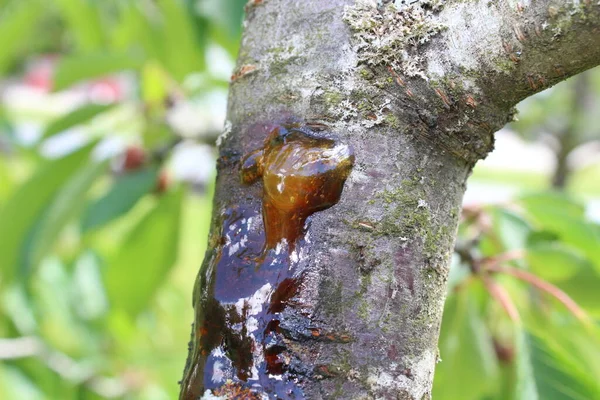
column 254, row 272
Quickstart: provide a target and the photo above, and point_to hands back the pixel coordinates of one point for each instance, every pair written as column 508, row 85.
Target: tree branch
column 552, row 290
column 502, row 297
column 499, row 53
column 512, row 49
column 417, row 91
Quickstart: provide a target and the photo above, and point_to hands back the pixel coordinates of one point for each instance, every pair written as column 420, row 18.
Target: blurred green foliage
column 520, row 321
column 97, row 257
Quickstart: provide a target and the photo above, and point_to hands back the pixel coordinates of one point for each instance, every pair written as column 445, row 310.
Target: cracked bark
column 375, row 270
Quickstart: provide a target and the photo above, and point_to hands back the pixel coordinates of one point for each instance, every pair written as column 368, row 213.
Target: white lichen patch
column 377, row 117
column 394, row 379
column 345, row 110
column 226, row 131
column 390, row 35
column 468, row 41
column 208, row 395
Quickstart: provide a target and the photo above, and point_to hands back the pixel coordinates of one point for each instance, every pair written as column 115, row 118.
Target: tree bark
column 350, row 305
column 568, row 139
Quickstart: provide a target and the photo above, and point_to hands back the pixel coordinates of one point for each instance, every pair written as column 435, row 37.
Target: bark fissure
column 419, row 108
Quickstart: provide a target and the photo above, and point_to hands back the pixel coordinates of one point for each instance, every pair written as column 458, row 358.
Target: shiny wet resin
column 246, row 295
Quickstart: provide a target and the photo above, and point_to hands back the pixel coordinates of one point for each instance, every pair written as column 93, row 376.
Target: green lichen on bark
column 408, row 216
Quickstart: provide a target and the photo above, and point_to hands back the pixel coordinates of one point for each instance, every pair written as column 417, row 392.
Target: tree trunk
column 569, row 139
column 304, row 296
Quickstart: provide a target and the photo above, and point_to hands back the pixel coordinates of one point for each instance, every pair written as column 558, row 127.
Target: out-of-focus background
column 109, row 113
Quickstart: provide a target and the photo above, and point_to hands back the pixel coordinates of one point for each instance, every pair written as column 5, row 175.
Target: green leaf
column 77, row 68
column 555, row 261
column 583, row 289
column 14, row 384
column 556, row 374
column 525, row 388
column 19, row 21
column 199, row 22
column 566, row 219
column 517, row 373
column 63, row 207
column 18, row 307
column 511, row 229
column 235, row 16
column 154, row 84
column 23, row 209
column 146, row 257
column 52, row 290
column 229, row 14
column 577, row 233
column 88, row 289
column 135, row 29
column 536, row 237
column 122, row 196
column 84, row 22
column 554, row 360
column 124, row 35
column 546, row 204
column 156, row 135
column 187, row 55
column 76, row 117
column 467, row 352
column 6, row 180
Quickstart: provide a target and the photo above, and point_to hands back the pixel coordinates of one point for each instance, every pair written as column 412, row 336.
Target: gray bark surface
column 418, row 91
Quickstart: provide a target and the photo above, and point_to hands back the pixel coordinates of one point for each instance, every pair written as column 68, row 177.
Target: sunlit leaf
column 156, row 135
column 555, row 261
column 557, row 214
column 583, row 289
column 18, row 23
column 229, row 14
column 138, row 30
column 146, row 256
column 84, row 21
column 543, row 205
column 88, row 288
column 18, row 307
column 121, row 197
column 154, row 84
column 553, row 361
column 68, row 201
column 579, row 234
column 52, row 293
column 556, row 374
column 517, row 382
column 73, row 69
column 235, row 16
column 525, row 387
column 541, row 237
column 6, row 181
column 47, row 381
column 512, row 229
column 14, row 384
column 76, row 117
column 188, row 55
column 199, row 22
column 469, row 368
column 23, row 209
